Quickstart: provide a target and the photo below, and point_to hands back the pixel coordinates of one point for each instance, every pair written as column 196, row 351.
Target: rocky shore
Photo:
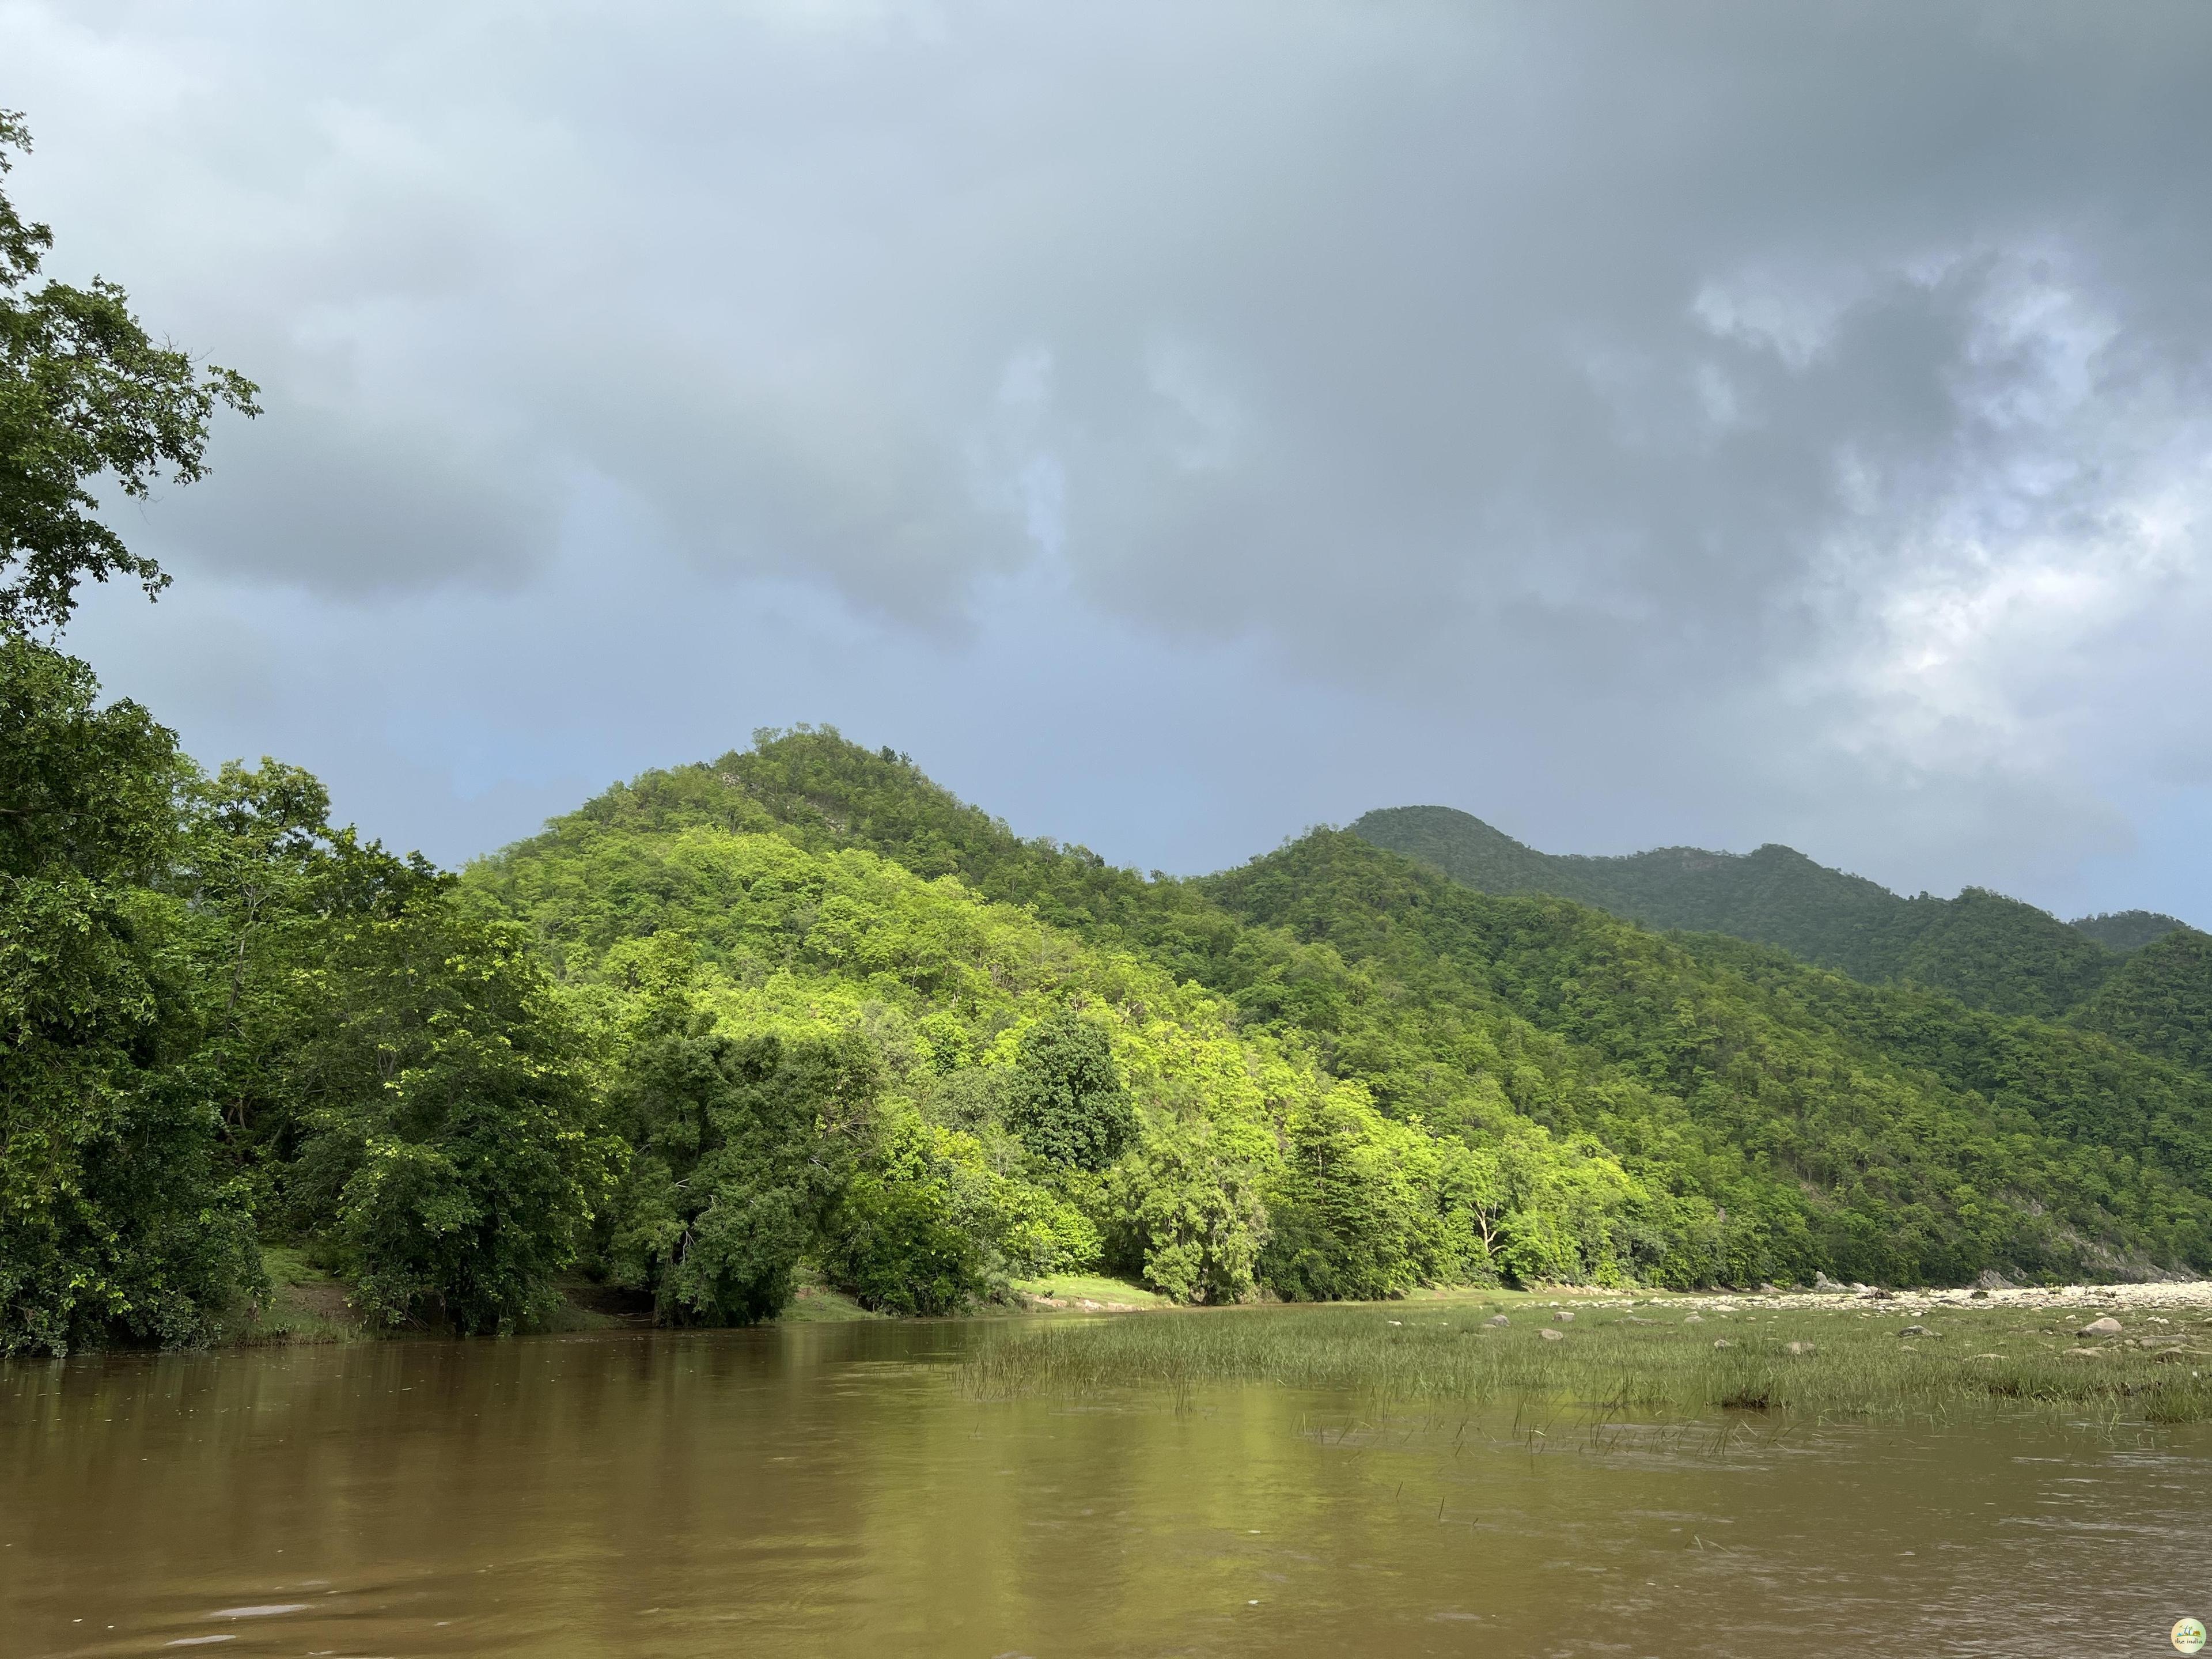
column 2187, row 1295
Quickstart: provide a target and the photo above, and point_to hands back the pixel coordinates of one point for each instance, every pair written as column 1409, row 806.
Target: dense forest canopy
column 801, row 1011
column 1704, row 1111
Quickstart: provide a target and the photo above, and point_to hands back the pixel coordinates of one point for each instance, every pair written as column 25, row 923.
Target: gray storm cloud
column 1734, row 420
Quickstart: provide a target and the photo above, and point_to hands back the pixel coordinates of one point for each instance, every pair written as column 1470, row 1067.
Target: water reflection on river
column 830, row 1490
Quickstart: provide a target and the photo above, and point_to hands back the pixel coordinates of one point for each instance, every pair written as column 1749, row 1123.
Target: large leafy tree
column 116, row 1218
column 736, row 1154
column 258, row 873
column 447, row 1156
column 1067, row 1101
column 86, row 394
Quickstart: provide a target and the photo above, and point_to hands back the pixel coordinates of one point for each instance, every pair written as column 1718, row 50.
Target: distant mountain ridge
column 1990, row 951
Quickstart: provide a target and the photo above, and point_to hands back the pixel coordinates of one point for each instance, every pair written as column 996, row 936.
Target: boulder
column 1563, row 1319
column 1800, row 1347
column 1550, row 1335
column 2107, row 1326
column 1822, row 1282
column 1499, row 1319
column 1694, row 1319
column 1724, row 1343
column 1914, row 1330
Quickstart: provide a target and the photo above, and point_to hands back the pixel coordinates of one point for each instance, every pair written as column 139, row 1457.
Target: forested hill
column 1994, row 952
column 1680, row 1109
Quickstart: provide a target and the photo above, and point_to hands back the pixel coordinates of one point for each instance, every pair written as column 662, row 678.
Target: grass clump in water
column 1649, row 1361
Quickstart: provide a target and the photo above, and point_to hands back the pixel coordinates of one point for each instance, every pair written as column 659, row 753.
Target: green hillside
column 2160, row 1001
column 802, row 1011
column 1993, row 952
column 737, row 900
column 1765, row 1119
column 1888, row 1122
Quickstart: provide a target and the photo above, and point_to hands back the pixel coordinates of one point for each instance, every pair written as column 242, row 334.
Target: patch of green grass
column 568, row 1315
column 818, row 1304
column 1092, row 1287
column 1645, row 1361
column 304, row 1304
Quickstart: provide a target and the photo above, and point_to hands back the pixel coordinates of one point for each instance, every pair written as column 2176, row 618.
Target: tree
column 255, row 868
column 1188, row 1217
column 731, row 1167
column 447, row 1151
column 897, row 1247
column 1067, row 1101
column 1347, row 1212
column 85, row 392
column 115, row 1216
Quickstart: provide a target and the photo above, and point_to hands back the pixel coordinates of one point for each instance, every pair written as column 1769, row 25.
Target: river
column 832, row 1490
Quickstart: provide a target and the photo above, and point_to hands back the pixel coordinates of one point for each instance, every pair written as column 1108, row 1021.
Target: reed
column 1643, row 1362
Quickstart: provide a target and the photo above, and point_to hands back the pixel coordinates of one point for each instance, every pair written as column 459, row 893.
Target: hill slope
column 1900, row 1125
column 1679, row 1110
column 2158, row 1001
column 734, row 903
column 1994, row 952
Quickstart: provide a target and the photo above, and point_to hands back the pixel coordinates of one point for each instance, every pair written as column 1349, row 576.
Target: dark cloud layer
column 1715, row 422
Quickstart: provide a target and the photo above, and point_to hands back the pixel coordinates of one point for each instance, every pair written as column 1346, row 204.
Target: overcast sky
column 1177, row 424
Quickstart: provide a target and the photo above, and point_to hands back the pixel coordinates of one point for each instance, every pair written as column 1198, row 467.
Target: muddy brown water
column 831, row 1489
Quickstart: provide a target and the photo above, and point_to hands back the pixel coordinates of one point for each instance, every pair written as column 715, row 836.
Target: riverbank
column 307, row 1304
column 2093, row 1351
column 1853, row 1351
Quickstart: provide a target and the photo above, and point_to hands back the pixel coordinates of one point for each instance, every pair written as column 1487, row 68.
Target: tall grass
column 1611, row 1360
